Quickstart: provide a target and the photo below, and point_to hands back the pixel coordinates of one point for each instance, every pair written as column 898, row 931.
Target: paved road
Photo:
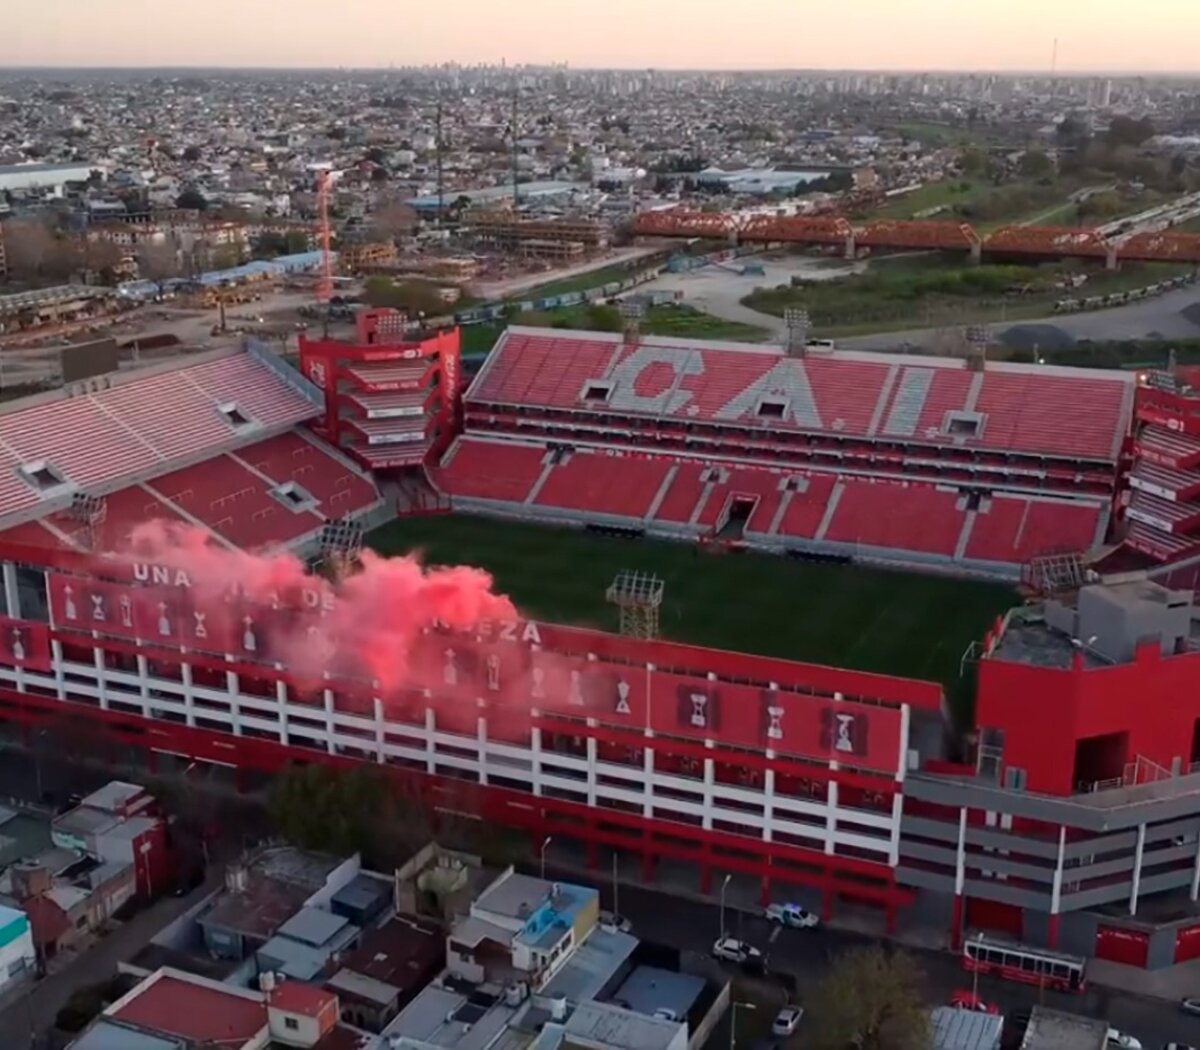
column 1160, row 318
column 40, row 1007
column 692, row 925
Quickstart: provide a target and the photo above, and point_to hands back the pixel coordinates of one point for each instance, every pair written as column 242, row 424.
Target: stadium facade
column 1068, row 817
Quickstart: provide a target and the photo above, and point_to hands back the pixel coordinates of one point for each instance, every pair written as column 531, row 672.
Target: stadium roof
column 1039, row 410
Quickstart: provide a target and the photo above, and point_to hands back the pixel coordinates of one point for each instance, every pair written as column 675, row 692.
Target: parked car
column 1118, row 1040
column 1190, row 1006
column 614, row 923
column 1177, row 1046
column 730, row 949
column 971, row 1001
column 786, row 1020
column 791, row 915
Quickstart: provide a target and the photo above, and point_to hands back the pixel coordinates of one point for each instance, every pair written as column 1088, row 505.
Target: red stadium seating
column 806, row 510
column 948, row 391
column 1041, row 411
column 235, row 503
column 338, row 489
column 897, row 515
column 499, row 470
column 143, row 424
column 684, row 494
column 776, row 437
column 761, row 486
column 1024, row 412
column 1012, row 529
column 593, row 481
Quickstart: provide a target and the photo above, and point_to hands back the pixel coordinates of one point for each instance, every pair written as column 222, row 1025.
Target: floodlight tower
column 798, row 325
column 638, row 597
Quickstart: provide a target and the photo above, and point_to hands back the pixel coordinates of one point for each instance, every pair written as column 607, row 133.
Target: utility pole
column 516, row 98
column 441, row 186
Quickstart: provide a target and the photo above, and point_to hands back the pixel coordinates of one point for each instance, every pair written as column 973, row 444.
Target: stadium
column 707, row 499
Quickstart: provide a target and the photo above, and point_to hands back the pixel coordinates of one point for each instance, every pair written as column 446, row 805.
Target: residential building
column 17, row 956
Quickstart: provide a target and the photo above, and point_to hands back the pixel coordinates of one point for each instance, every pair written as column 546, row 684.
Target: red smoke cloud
column 368, row 624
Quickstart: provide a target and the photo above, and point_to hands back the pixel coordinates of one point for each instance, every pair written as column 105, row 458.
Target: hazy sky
column 1116, row 35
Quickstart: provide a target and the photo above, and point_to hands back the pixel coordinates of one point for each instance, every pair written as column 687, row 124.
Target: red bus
column 1019, row 962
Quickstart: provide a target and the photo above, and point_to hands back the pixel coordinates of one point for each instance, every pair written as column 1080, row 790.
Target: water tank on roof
column 558, row 1008
column 516, row 993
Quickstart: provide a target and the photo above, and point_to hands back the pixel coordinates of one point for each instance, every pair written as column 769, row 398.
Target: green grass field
column 866, row 619
column 683, row 322
column 581, row 282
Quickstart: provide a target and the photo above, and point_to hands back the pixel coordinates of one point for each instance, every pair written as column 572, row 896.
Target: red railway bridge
column 1032, row 242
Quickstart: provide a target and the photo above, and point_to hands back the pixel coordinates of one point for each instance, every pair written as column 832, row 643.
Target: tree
column 28, row 246
column 392, row 219
column 341, row 811
column 226, row 257
column 414, row 297
column 1125, row 131
column 158, row 261
column 191, row 154
column 1035, row 164
column 972, row 161
column 192, row 198
column 870, row 1000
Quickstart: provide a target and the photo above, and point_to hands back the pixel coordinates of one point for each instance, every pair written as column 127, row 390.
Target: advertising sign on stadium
column 24, row 644
column 394, row 413
column 395, row 437
column 1154, row 490
column 1163, row 417
column 1150, row 519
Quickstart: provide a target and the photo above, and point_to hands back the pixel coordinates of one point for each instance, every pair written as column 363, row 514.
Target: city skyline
column 999, row 36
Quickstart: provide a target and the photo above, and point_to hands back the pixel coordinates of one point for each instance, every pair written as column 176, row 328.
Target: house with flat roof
column 955, row 1028
column 388, row 969
column 522, row 928
column 306, row 942
column 1059, row 1030
column 17, row 956
column 174, row 1010
column 586, row 987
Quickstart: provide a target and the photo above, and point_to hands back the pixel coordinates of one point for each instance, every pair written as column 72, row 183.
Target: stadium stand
column 336, row 486
column 235, row 503
column 211, row 443
column 911, row 459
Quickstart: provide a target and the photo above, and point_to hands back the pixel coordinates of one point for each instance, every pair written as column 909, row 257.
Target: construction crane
column 325, row 181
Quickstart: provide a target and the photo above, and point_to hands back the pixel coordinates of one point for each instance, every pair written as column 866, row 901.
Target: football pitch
column 846, row 616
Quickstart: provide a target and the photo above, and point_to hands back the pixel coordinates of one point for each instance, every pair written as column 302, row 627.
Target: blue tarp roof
column 258, row 268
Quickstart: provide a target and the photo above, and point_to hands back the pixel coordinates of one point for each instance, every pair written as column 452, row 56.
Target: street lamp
column 616, row 902
column 975, row 970
column 542, row 853
column 733, row 1021
column 724, row 885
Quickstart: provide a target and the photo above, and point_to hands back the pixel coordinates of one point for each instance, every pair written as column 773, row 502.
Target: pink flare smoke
column 372, row 620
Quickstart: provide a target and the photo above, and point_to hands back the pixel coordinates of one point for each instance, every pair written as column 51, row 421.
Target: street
column 672, row 919
column 669, row 912
column 40, row 1005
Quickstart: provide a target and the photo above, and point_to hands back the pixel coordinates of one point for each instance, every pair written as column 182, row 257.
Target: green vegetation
column 933, row 289
column 414, row 297
column 867, row 619
column 1131, row 353
column 683, row 322
column 580, row 282
column 870, row 999
column 362, row 810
